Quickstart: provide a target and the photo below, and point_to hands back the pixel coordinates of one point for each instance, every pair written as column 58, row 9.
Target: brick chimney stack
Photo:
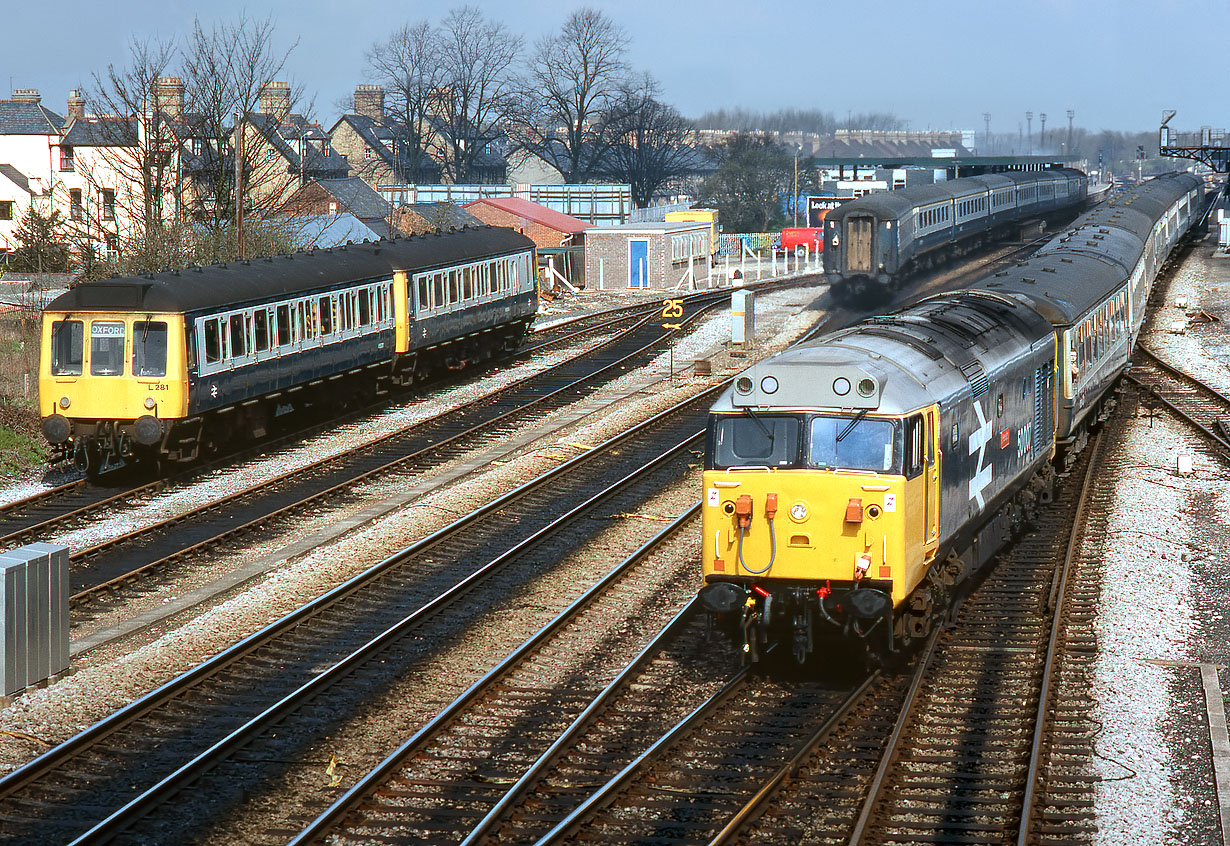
column 27, row 95
column 169, row 96
column 369, row 101
column 76, row 104
column 275, row 99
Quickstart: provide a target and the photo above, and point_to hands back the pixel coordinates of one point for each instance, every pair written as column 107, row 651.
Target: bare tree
column 478, row 90
column 408, row 66
column 652, row 145
column 226, row 69
column 574, row 77
column 124, row 156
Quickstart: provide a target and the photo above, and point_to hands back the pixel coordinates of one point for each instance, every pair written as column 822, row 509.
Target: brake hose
column 772, row 551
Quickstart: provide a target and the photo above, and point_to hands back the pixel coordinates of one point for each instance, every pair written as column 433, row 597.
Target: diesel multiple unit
column 874, row 242
column 167, row 365
column 853, row 482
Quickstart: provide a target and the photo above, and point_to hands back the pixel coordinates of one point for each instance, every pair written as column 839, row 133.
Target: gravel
column 112, row 676
column 1164, row 598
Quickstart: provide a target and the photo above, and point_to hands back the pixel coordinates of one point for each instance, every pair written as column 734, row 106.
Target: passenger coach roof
column 239, row 282
column 895, row 203
column 1081, row 266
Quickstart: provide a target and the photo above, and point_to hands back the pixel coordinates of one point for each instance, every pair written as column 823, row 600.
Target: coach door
column 858, row 244
column 932, row 528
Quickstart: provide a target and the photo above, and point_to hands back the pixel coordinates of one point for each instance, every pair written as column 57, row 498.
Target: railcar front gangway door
column 858, row 244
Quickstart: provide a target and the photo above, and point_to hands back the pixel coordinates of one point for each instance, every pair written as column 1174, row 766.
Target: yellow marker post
column 672, row 310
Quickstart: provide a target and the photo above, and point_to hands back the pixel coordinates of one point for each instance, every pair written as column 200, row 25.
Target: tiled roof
column 359, row 198
column 389, row 140
column 443, row 215
column 15, row 176
column 292, row 128
column 535, row 213
column 17, row 118
column 101, row 132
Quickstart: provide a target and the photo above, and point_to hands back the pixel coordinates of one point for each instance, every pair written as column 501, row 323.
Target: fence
column 734, row 246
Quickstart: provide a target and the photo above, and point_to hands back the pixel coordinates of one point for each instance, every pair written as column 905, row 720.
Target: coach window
column 260, row 330
column 67, row 348
column 106, row 348
column 326, row 316
column 365, row 307
column 239, row 337
column 213, row 342
column 437, row 290
column 467, row 283
column 454, row 286
column 149, row 348
column 283, row 323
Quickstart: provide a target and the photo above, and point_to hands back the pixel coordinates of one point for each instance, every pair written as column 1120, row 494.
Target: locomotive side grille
column 1042, row 403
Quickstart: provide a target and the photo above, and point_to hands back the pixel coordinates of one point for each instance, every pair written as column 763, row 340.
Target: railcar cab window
column 149, row 348
column 106, row 348
column 67, row 348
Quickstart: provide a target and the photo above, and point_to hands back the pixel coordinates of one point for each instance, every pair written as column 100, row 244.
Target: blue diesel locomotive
column 853, row 482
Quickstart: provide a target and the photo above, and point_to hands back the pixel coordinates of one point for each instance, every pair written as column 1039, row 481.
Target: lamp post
column 797, row 149
column 986, row 136
column 1071, row 114
column 1042, row 134
column 1029, row 123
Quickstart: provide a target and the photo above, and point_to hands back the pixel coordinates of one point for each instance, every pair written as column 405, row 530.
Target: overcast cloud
column 938, row 65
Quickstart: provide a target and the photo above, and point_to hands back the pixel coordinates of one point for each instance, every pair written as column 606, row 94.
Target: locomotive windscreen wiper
column 768, row 433
column 851, row 425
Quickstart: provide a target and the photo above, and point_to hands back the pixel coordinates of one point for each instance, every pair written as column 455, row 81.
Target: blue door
column 638, row 263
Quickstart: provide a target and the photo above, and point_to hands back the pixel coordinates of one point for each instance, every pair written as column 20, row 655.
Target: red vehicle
column 796, row 237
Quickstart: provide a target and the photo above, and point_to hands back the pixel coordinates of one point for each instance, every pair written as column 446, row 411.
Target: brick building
column 648, row 255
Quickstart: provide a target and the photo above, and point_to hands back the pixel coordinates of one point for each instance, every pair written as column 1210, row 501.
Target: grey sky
column 937, row 65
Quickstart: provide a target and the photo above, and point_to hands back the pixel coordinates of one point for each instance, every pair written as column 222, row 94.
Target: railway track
column 1200, row 405
column 206, row 740
column 103, row 574
column 72, row 503
column 968, row 754
column 480, row 755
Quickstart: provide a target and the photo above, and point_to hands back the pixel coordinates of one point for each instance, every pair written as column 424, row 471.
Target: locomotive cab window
column 852, row 443
column 149, row 348
column 106, row 348
column 760, row 441
column 67, row 348
column 915, row 449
